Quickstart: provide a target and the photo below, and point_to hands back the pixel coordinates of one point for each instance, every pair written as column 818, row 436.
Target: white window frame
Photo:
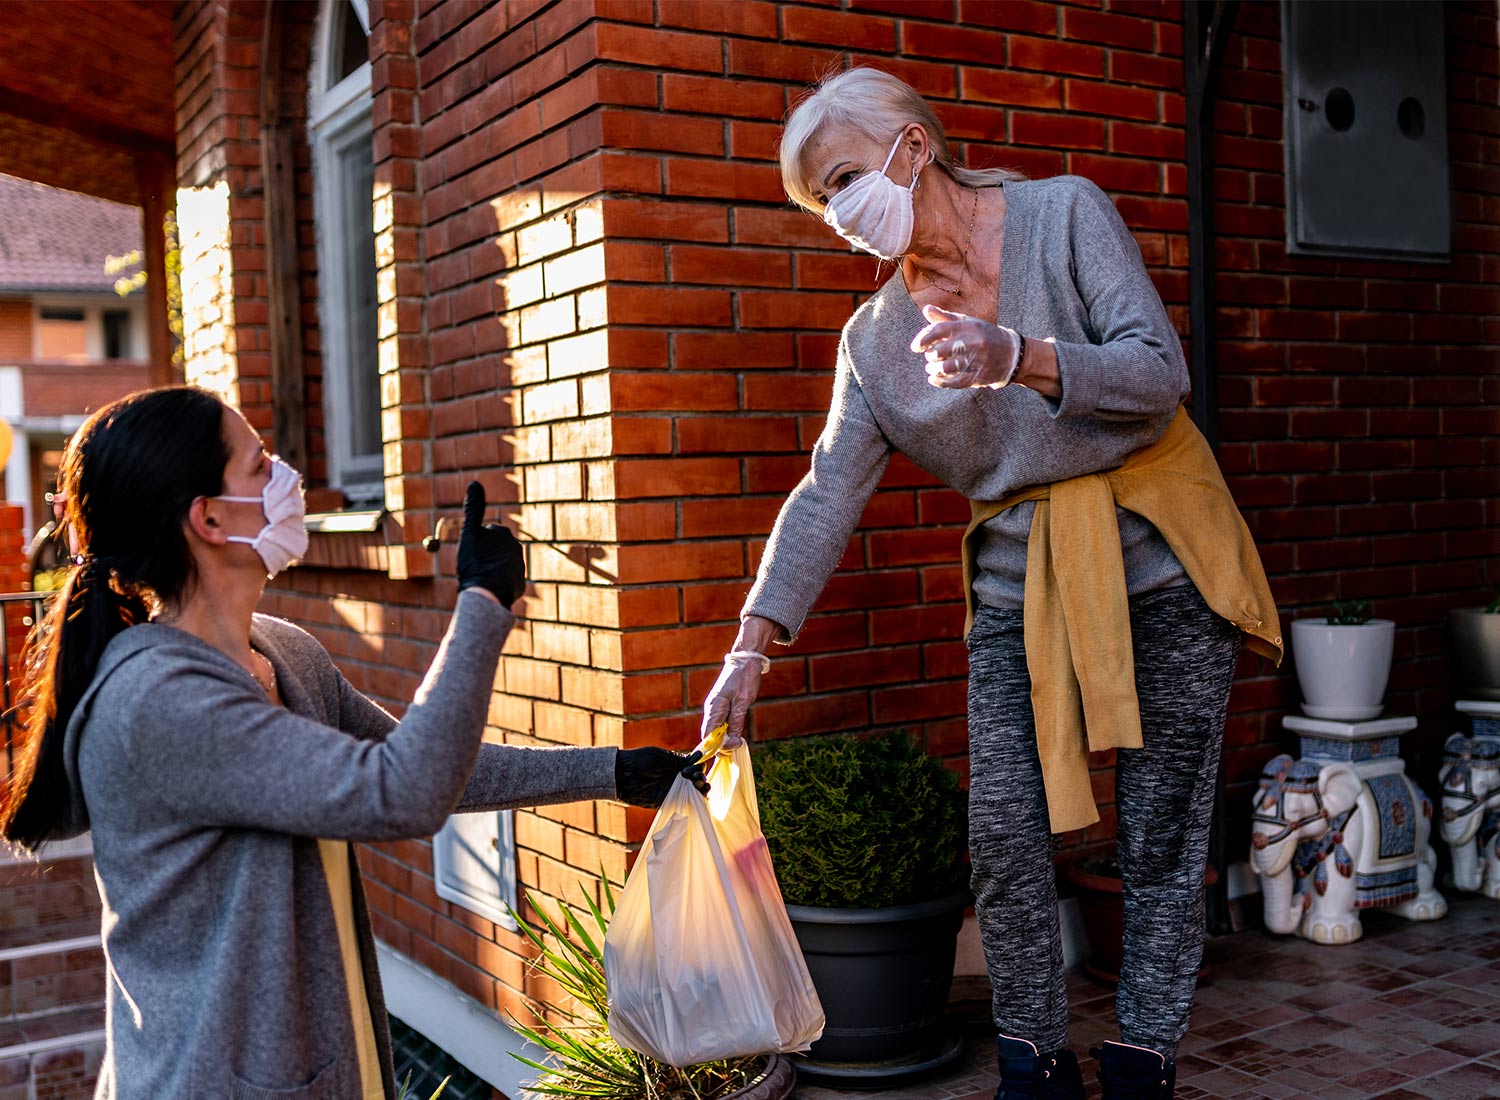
column 338, row 117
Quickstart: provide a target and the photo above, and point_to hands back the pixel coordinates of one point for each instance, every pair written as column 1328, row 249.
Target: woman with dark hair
column 224, row 764
column 1020, row 354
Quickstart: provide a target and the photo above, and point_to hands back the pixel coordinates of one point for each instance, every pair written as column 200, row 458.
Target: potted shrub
column 585, row 1059
column 868, row 839
column 1343, row 662
column 1475, row 632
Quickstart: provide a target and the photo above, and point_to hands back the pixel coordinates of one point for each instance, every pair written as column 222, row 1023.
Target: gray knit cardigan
column 1069, row 270
column 225, row 977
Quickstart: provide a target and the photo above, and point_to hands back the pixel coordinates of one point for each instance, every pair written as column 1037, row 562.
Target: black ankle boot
column 1028, row 1074
column 1134, row 1073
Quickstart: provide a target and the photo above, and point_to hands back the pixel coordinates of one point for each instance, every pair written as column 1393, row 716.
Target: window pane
column 357, row 178
column 61, row 334
column 350, row 49
column 116, row 334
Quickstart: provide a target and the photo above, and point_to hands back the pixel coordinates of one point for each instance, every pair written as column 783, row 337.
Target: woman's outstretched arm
column 217, row 753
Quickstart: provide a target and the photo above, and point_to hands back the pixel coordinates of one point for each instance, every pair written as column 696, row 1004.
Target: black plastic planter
column 883, row 976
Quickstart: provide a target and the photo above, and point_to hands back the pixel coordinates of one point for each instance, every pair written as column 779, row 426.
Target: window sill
column 367, row 540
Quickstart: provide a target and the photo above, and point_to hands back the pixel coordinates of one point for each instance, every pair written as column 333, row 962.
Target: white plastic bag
column 700, row 959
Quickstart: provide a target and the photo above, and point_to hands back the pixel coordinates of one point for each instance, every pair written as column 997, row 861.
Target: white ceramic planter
column 1343, row 669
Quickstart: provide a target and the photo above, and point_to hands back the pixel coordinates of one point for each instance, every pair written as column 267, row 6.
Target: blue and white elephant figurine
column 1328, row 842
column 1471, row 812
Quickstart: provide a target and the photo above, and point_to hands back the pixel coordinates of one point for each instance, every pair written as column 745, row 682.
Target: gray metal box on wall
column 1366, row 128
column 474, row 864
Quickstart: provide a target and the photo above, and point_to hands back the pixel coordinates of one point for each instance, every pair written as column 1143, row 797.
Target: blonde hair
column 878, row 105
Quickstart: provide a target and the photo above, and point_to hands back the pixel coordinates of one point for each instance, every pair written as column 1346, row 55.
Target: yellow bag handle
column 723, row 774
column 713, row 741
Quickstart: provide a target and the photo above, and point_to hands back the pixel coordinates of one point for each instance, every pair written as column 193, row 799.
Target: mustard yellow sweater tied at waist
column 1077, row 616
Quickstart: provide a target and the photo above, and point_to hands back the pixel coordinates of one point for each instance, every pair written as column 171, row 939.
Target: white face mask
column 874, row 212
column 284, row 537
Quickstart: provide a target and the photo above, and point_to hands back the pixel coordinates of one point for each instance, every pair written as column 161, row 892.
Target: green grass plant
column 1350, row 613
column 860, row 823
column 406, row 1088
column 584, row 1059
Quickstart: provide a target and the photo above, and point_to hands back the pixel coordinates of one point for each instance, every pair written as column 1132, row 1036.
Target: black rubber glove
column 644, row 776
column 489, row 556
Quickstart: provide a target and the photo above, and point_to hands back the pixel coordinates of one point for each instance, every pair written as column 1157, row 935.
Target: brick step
column 46, row 900
column 51, row 1030
column 33, row 941
column 51, row 976
column 56, row 1055
column 50, row 954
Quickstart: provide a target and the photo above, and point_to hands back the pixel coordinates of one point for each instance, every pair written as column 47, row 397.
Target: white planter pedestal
column 1471, row 799
column 1484, row 714
column 1359, row 823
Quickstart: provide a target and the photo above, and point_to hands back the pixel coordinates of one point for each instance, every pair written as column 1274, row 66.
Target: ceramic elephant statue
column 1471, row 812
column 1328, row 842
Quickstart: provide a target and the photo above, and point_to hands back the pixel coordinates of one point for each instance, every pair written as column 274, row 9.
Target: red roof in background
column 58, row 240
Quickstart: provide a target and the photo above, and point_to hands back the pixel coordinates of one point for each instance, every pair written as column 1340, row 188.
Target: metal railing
column 30, row 606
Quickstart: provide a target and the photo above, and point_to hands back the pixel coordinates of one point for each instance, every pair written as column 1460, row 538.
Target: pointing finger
column 474, row 504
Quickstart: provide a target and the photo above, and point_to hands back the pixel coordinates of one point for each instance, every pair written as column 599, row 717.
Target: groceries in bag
column 700, row 960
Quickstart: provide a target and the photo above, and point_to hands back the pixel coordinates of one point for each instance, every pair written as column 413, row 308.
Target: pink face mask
column 284, row 537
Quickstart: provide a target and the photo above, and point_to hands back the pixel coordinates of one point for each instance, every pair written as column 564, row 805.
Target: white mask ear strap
column 240, row 500
column 892, row 154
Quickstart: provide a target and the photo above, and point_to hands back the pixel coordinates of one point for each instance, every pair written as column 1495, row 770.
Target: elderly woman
column 1020, row 353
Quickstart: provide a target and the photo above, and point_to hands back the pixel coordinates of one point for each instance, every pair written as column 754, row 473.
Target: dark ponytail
column 130, row 474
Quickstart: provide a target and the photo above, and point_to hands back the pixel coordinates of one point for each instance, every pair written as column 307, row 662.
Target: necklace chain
column 268, row 682
column 957, row 291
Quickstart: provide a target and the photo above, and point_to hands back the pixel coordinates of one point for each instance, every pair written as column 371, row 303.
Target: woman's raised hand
column 489, row 557
column 964, row 352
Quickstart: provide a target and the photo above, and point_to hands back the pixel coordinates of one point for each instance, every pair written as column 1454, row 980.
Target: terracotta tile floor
column 1410, row 1012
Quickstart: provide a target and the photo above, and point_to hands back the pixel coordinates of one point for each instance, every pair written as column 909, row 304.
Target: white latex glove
column 964, row 352
column 729, row 700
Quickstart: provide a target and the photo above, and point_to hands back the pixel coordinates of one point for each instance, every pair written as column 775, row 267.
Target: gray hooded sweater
column 206, row 804
column 1069, row 269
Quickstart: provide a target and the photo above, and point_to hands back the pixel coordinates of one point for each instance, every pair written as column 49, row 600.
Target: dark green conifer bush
column 860, row 823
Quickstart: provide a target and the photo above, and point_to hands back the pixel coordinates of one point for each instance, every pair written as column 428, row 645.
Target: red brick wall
column 67, row 389
column 218, row 108
column 480, row 392
column 731, row 304
column 1358, row 399
column 596, row 300
column 15, row 330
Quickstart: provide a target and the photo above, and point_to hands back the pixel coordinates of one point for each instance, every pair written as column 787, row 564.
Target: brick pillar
column 401, row 283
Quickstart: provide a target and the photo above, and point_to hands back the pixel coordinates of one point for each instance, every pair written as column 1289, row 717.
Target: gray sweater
column 1069, row 268
column 206, row 802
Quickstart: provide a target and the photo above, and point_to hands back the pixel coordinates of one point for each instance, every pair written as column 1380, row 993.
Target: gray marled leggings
column 1164, row 793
